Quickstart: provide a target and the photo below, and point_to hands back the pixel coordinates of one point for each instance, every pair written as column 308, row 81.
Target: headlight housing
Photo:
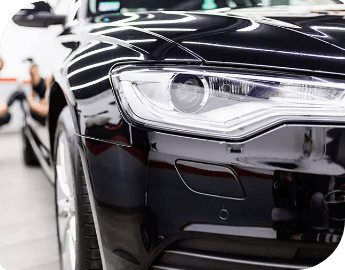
column 222, row 103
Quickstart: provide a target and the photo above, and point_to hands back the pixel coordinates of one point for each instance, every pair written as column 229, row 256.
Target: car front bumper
column 172, row 202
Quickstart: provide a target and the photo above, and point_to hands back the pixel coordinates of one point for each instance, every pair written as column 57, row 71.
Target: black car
column 182, row 138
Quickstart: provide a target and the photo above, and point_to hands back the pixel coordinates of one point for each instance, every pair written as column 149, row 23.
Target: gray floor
column 27, row 221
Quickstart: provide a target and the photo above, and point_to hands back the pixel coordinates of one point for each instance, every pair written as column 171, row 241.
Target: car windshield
column 106, row 6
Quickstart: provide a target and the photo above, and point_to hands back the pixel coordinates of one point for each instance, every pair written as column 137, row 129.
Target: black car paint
column 141, row 205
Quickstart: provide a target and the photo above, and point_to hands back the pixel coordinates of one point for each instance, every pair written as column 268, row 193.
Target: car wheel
column 28, row 153
column 77, row 238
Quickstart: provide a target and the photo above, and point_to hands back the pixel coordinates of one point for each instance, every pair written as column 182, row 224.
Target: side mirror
column 38, row 14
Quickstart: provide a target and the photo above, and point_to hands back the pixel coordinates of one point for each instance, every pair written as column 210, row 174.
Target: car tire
column 78, row 245
column 29, row 155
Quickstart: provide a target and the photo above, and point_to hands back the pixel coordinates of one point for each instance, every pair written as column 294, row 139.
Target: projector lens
column 188, row 93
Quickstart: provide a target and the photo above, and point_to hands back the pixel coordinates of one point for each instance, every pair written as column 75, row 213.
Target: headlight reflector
column 229, row 104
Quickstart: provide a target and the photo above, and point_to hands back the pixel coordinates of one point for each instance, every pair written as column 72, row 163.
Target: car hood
column 312, row 41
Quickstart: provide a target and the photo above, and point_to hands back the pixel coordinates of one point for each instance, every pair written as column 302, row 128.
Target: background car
column 181, row 140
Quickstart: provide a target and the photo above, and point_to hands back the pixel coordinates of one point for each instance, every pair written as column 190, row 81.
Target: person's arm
column 31, row 98
column 3, row 108
column 40, row 108
column 33, row 94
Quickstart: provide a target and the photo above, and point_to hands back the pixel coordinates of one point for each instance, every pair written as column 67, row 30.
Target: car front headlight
column 223, row 103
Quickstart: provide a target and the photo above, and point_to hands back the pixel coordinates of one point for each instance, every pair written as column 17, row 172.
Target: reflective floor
column 27, row 215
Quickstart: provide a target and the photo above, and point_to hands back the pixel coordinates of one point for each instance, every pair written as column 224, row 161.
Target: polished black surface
column 286, row 185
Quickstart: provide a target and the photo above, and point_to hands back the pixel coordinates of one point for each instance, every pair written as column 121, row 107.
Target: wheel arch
column 57, row 102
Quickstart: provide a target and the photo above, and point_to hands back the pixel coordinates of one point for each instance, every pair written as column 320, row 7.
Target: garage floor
column 27, row 221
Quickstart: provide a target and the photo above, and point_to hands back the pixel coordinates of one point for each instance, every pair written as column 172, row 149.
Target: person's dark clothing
column 39, row 118
column 4, row 119
column 40, row 88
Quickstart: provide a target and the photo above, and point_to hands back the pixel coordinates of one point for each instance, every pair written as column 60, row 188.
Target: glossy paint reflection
column 102, row 120
column 284, row 200
column 289, row 179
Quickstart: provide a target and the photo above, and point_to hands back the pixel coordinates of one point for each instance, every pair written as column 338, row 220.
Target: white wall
column 19, row 43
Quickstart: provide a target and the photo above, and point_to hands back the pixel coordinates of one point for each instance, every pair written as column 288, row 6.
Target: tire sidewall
column 65, row 125
column 29, row 155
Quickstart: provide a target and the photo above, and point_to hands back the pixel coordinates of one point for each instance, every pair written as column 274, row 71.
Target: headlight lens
column 188, row 93
column 228, row 104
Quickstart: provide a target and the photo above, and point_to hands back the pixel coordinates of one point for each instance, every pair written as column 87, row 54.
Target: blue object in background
column 109, row 6
column 209, row 4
